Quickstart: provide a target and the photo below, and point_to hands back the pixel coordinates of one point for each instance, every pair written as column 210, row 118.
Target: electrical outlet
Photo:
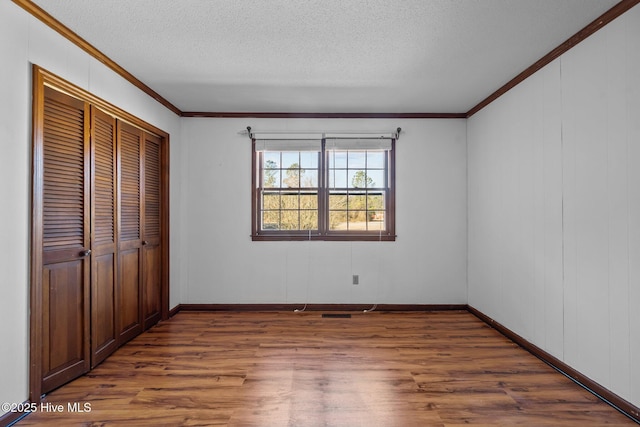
column 356, row 279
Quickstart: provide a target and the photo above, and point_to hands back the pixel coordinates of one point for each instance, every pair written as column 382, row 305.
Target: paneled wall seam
column 593, row 229
column 562, row 200
column 629, row 274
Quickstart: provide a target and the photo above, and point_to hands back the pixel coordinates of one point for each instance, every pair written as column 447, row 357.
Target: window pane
column 337, row 220
column 375, row 201
column 337, row 159
column 309, row 160
column 375, row 178
column 271, row 159
column 358, row 179
column 357, row 220
column 337, row 202
column 271, row 178
column 309, row 201
column 309, row 178
column 270, row 201
column 375, row 159
column 357, row 201
column 289, row 220
column 291, row 178
column 308, row 220
column 290, row 159
column 292, row 182
column 289, row 201
column 270, row 220
column 357, row 159
column 337, row 178
column 375, row 220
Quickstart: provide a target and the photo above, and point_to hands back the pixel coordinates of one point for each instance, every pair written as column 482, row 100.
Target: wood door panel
column 152, row 291
column 64, row 289
column 104, row 336
column 103, row 312
column 152, row 295
column 129, row 315
column 64, row 341
column 91, row 202
column 129, row 305
column 104, row 178
column 65, row 185
column 130, row 142
column 152, row 189
column 53, row 257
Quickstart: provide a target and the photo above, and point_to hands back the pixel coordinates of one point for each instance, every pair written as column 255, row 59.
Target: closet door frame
column 41, row 78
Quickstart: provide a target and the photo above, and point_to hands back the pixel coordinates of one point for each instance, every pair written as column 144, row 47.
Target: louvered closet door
column 129, row 296
column 103, row 236
column 65, row 240
column 151, row 300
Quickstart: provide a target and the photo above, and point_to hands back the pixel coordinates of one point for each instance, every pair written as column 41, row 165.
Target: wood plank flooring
column 299, row 369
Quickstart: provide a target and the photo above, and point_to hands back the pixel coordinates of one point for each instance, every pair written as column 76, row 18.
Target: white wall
column 426, row 265
column 552, row 190
column 25, row 40
column 554, row 208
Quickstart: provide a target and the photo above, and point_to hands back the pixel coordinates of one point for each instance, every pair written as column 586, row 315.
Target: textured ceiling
column 330, row 56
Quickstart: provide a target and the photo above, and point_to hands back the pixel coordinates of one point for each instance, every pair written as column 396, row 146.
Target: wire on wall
column 306, row 292
column 375, row 298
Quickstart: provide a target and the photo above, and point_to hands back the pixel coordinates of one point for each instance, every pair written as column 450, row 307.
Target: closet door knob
column 144, row 243
column 85, row 253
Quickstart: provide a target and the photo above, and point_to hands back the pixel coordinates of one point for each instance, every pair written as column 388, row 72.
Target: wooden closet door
column 128, row 310
column 64, row 300
column 103, row 236
column 152, row 295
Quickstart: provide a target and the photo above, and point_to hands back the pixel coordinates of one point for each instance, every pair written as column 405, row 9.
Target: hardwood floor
column 299, row 369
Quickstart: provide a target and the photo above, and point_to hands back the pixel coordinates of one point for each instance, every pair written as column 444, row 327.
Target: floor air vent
column 337, row 315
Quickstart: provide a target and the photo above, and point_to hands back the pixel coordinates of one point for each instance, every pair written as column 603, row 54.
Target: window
column 323, row 189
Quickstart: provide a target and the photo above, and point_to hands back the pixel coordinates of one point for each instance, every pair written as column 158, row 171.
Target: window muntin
column 358, row 187
column 289, row 183
column 329, row 190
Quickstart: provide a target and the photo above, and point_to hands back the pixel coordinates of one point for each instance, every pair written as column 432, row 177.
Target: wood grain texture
column 284, row 368
column 63, row 319
column 104, row 214
column 561, row 366
column 76, row 283
column 151, row 232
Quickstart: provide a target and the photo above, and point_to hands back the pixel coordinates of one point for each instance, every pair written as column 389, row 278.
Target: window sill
column 337, row 237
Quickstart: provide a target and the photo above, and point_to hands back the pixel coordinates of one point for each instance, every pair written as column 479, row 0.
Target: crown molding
column 66, row 32
column 292, row 115
column 590, row 29
column 617, row 10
